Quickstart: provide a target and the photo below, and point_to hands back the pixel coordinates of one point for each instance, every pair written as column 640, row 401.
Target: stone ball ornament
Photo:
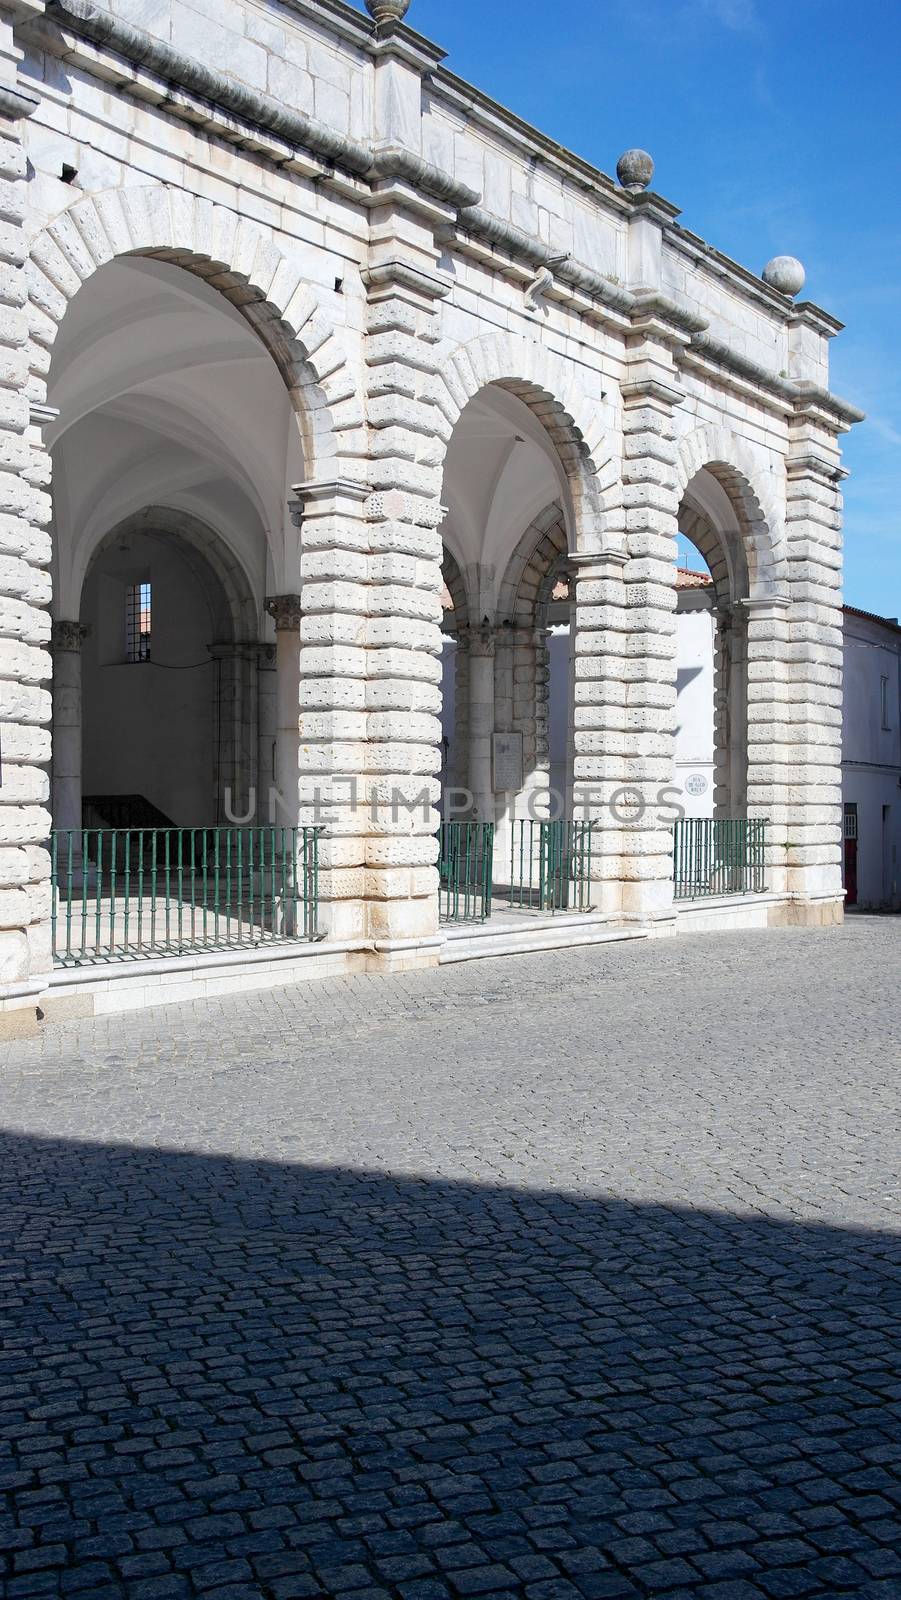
column 383, row 11
column 635, row 169
column 786, row 274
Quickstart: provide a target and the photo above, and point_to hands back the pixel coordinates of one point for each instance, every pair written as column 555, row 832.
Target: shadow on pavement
column 238, row 1379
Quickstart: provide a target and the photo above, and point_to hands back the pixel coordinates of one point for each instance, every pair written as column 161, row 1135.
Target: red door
column 850, row 832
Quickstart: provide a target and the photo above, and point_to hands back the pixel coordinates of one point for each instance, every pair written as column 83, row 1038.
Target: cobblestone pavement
column 562, row 1277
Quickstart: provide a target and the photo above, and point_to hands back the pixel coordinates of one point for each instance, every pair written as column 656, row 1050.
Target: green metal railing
column 465, row 871
column 550, row 865
column 713, row 856
column 126, row 893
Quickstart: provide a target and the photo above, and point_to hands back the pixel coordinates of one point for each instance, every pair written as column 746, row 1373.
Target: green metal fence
column 713, row 856
column 550, row 865
column 126, row 893
column 465, row 871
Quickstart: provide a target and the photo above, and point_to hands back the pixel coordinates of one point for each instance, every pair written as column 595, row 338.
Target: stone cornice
column 799, row 395
column 519, row 245
column 16, row 102
column 370, row 165
column 386, row 277
column 91, row 21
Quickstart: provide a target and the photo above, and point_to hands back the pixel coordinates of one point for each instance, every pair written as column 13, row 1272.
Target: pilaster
column 601, row 688
column 321, row 648
column 408, row 435
column 25, row 661
column 814, row 659
column 651, row 499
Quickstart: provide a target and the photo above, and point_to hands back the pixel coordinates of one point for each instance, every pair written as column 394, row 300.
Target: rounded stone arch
column 233, row 605
column 545, row 383
column 241, row 261
column 696, row 525
column 457, row 618
column 733, row 464
column 532, row 569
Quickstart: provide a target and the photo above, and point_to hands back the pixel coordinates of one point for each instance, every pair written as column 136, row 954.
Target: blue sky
column 777, row 128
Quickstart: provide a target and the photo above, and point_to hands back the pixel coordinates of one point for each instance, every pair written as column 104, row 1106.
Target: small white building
column 871, row 761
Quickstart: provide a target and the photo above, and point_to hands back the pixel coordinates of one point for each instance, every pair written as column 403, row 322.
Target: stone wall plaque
column 506, row 760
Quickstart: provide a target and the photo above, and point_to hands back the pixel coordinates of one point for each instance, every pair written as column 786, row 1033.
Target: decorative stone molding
column 204, row 239
column 385, row 11
column 66, row 635
column 718, row 451
column 285, row 611
column 17, row 102
column 544, row 382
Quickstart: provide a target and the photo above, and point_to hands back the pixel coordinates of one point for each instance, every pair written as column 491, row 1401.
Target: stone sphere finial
column 786, row 274
column 635, row 169
column 387, row 10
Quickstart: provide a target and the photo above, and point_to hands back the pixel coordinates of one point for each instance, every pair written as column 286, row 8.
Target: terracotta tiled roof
column 686, row 579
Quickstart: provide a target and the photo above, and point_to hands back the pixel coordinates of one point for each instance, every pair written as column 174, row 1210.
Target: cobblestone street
column 563, row 1277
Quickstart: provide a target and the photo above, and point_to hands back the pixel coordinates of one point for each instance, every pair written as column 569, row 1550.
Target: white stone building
column 299, row 328
column 871, row 742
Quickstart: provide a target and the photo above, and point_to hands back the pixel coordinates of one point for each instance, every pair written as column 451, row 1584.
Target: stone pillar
column 600, row 668
column 651, row 499
column 68, row 638
column 403, row 696
column 284, row 809
column 769, row 754
column 459, row 773
column 481, row 721
column 267, row 729
column 25, row 662
column 795, row 662
column 330, row 694
column 730, row 712
column 236, row 787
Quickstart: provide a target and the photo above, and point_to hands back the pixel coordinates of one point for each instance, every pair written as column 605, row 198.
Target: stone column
column 267, row 728
column 459, row 774
column 769, row 775
column 25, row 662
column 67, row 639
column 482, row 644
column 600, row 689
column 795, row 665
column 236, row 796
column 730, row 712
column 651, row 498
column 409, row 434
column 284, row 811
column 328, row 718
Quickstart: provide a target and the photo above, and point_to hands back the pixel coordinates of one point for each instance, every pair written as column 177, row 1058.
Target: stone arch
column 697, row 526
column 234, row 608
column 237, row 258
column 458, row 618
column 528, row 581
column 545, row 383
column 733, row 464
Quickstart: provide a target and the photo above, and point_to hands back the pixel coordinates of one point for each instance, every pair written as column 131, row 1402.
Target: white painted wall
column 695, row 632
column 871, row 756
column 149, row 728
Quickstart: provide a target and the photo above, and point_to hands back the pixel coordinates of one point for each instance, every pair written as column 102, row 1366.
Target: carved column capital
column 285, row 611
column 478, row 639
column 69, row 635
